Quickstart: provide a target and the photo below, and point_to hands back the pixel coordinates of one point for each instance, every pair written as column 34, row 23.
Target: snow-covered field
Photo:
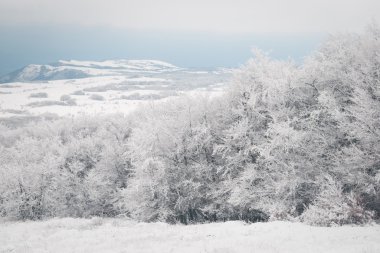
column 121, row 235
column 120, row 90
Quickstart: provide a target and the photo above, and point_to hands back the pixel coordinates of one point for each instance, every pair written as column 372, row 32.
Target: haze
column 188, row 33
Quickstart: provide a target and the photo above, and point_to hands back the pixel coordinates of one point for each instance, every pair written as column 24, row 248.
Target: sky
column 189, row 33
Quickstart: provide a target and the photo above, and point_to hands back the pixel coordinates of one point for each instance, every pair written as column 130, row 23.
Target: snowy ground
column 117, row 235
column 94, row 95
column 48, row 92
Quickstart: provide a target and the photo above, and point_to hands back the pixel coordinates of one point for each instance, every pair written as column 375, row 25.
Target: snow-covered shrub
column 171, row 149
column 64, row 168
column 38, row 95
column 68, row 100
column 27, row 173
column 45, row 103
column 96, row 97
column 78, row 93
column 335, row 207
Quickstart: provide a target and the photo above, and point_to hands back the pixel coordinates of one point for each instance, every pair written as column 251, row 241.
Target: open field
column 120, row 235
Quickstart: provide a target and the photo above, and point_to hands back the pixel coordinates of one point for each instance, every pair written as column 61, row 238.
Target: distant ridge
column 72, row 69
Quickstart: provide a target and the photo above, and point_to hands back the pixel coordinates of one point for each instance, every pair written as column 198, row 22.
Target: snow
column 133, row 64
column 16, row 96
column 147, row 79
column 123, row 235
column 72, row 69
column 115, row 80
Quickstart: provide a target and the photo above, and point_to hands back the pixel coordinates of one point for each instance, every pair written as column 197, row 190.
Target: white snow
column 122, row 235
column 72, row 69
column 114, row 80
column 16, row 96
column 116, row 66
column 133, row 64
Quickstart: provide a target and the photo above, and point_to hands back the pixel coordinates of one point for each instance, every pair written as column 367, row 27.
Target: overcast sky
column 263, row 22
column 269, row 16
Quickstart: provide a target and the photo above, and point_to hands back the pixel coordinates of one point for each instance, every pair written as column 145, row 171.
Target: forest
column 285, row 141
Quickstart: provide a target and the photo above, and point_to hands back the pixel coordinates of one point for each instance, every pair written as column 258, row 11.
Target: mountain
column 73, row 69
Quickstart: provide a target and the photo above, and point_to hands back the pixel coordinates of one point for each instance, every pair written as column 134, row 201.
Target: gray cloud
column 261, row 16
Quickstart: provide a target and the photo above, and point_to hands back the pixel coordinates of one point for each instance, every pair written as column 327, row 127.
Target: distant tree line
column 284, row 142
